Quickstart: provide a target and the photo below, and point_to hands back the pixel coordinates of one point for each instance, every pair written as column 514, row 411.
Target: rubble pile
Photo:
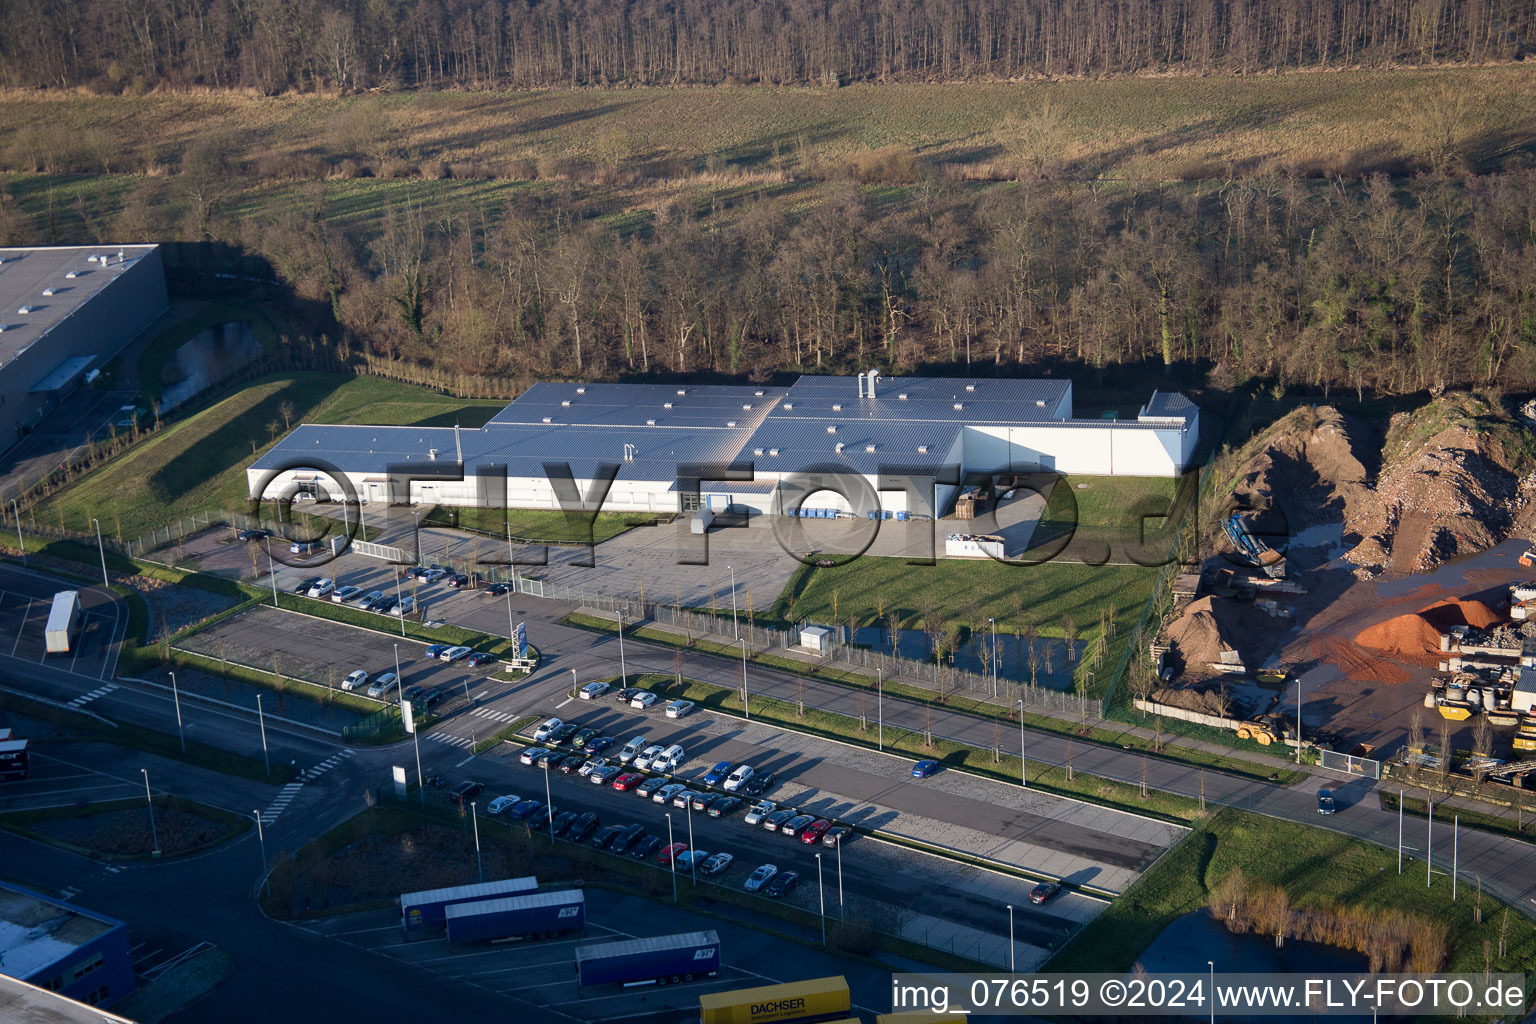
column 1313, row 466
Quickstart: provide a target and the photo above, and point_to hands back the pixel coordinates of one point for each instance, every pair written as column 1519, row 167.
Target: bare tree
column 1033, row 137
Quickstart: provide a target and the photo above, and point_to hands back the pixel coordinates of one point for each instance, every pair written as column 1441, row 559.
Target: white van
column 670, row 759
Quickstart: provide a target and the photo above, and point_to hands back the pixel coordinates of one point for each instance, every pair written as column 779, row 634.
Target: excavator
column 1263, row 557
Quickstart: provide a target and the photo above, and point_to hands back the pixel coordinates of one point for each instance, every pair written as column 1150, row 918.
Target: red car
column 628, row 781
column 670, row 853
column 814, row 831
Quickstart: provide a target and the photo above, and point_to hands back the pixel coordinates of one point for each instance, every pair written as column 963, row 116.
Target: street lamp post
column 261, row 838
column 746, row 699
column 272, row 572
column 823, row 892
column 1298, row 721
column 840, row 880
column 474, row 817
column 573, row 683
column 880, row 708
column 261, row 720
column 670, row 844
column 734, row 626
column 993, row 624
column 102, row 552
column 21, row 546
column 623, row 671
column 400, row 603
column 1011, row 963
column 1023, row 776
column 549, row 805
column 176, row 696
column 153, row 832
column 693, row 862
column 511, row 629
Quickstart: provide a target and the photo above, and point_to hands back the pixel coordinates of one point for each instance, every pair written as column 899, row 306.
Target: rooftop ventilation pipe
column 872, row 375
column 861, row 384
column 457, row 443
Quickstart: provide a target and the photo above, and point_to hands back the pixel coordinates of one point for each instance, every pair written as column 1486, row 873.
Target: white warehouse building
column 835, row 443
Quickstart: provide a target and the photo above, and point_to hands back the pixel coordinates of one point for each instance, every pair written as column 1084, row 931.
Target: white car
column 341, row 595
column 502, row 803
column 644, row 699
column 758, row 811
column 665, row 794
column 760, row 877
column 354, row 680
column 647, row 757
column 591, row 766
column 530, row 755
column 632, row 748
column 679, row 708
column 322, row 588
column 383, row 684
column 669, row 759
column 545, row 728
column 453, row 654
column 716, row 864
column 405, row 607
column 737, row 778
column 592, row 690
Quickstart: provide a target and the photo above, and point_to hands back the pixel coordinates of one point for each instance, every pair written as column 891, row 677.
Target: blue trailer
column 535, row 916
column 659, row 960
column 422, row 913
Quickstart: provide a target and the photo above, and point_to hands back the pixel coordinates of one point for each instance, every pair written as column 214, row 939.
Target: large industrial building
column 63, row 312
column 60, row 947
column 840, row 444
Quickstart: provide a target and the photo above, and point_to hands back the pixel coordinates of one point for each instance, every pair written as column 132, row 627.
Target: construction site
column 1368, row 592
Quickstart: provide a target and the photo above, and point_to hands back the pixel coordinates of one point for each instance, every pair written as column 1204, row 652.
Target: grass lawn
column 539, row 525
column 1316, row 867
column 120, row 828
column 1104, row 506
column 198, row 464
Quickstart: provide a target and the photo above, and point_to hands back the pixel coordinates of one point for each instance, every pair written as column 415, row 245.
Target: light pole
column 261, row 720
column 746, row 700
column 549, row 804
column 511, row 629
column 993, row 624
column 176, row 696
column 400, row 603
column 474, row 817
column 840, row 879
column 1023, row 777
column 1298, row 721
column 261, row 838
column 272, row 572
column 1011, row 964
column 19, row 543
column 1399, row 831
column 102, row 552
column 734, row 626
column 693, row 862
column 623, row 672
column 1429, row 842
column 573, row 683
column 823, row 892
column 670, row 844
column 1455, row 852
column 880, row 708
column 153, row 832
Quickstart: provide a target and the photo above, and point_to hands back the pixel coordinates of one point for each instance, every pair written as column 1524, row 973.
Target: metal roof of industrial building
column 640, row 405
column 26, row 272
column 22, row 1002
column 1167, row 405
column 36, row 931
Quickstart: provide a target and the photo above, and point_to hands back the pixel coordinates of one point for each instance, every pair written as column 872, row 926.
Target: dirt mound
column 1455, row 612
column 1404, row 637
column 1313, row 466
column 1456, row 479
column 1201, row 635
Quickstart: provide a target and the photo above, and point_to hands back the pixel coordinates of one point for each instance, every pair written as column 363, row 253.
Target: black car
column 626, row 694
column 721, row 806
column 568, row 763
column 837, row 836
column 781, row 884
column 467, row 790
column 416, row 572
column 603, row 836
column 436, row 781
column 250, row 535
column 414, row 691
column 433, row 699
column 458, row 582
column 303, row 587
column 564, row 733
column 645, row 846
column 563, row 821
column 759, row 784
column 625, row 837
column 583, row 827
column 385, row 605
column 479, row 658
column 1043, row 892
column 539, row 819
column 497, row 589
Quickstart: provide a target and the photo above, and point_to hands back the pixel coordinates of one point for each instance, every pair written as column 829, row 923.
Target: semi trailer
column 535, row 916
column 424, row 913
column 659, row 960
column 819, row 999
column 63, row 622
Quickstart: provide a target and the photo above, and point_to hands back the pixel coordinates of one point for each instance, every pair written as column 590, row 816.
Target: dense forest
column 277, row 45
column 1388, row 286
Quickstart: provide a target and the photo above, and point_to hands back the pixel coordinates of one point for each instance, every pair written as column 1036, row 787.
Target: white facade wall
column 1088, row 448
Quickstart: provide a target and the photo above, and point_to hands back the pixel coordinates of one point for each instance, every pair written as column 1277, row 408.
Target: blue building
column 63, row 948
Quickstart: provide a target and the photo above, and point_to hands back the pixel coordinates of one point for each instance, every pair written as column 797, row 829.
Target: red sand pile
column 1415, row 637
column 1446, row 614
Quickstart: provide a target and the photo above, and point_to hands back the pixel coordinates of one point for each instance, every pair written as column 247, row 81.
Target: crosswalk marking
column 69, row 893
column 496, row 716
column 86, row 698
column 310, row 774
column 452, row 741
column 283, row 799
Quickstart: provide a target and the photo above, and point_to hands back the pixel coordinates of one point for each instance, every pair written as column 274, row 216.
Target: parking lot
column 56, row 780
column 542, row 972
column 25, row 599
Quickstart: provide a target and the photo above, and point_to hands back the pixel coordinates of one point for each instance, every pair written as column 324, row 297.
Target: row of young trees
column 273, row 45
column 1382, row 286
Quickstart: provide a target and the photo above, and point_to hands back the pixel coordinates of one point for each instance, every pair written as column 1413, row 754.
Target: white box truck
column 63, row 621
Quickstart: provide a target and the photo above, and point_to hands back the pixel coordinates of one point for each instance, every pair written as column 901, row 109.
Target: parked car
column 302, row 587
column 415, row 572
column 648, row 788
column 924, row 768
column 563, row 821
column 413, row 691
column 737, row 778
column 538, row 820
column 665, row 794
column 585, row 736
column 249, row 535
column 435, row 698
column 679, row 708
column 605, row 774
column 480, row 658
column 564, row 733
column 720, row 807
column 567, row 763
column 545, row 759
column 625, row 837
column 599, row 744
column 530, row 755
column 799, row 823
column 454, row 654
column 383, row 684
column 758, row 811
column 322, row 587
column 436, row 781
column 670, row 759
column 1325, row 801
column 592, row 765
column 628, row 781
column 359, row 599
column 603, row 836
column 341, row 595
column 1043, row 892
column 592, row 691
column 302, row 547
column 403, row 607
column 644, row 847
column 759, row 784
column 814, row 831
column 632, row 748
column 716, row 864
column 384, row 605
column 526, row 809
column 781, row 884
column 368, row 600
column 354, row 679
column 773, row 822
column 688, row 858
column 502, row 803
column 668, row 856
column 760, row 877
column 546, row 727
column 836, row 835
column 467, row 790
column 626, row 694
column 644, row 759
column 583, row 826
column 497, row 589
column 643, row 699
column 717, row 774
column 434, row 650
column 683, row 798
column 433, row 575
column 458, row 582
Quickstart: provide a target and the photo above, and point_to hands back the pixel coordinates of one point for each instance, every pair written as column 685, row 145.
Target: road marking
column 564, row 703
column 69, row 893
column 22, row 628
column 86, row 698
column 471, row 757
column 282, row 800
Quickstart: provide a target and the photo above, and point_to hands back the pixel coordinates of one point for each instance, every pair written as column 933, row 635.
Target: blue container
column 874, row 513
column 901, row 514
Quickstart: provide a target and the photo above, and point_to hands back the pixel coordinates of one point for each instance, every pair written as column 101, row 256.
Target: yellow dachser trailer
column 800, row 1002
